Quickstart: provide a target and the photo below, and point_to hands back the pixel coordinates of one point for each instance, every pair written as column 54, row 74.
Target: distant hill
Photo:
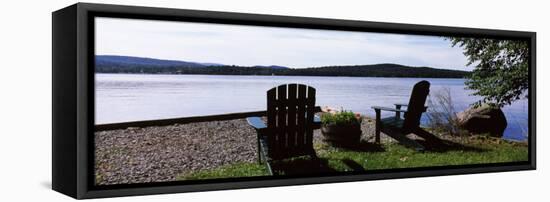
column 106, row 60
column 110, row 61
column 125, row 64
column 381, row 70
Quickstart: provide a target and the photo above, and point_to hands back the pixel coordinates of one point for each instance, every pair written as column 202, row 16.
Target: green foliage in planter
column 340, row 118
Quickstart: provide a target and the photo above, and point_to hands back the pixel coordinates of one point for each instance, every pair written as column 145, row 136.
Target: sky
column 259, row 45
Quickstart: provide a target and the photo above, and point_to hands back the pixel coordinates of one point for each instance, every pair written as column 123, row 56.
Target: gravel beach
column 159, row 154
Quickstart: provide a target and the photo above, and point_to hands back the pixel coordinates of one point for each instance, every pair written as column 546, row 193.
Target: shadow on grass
column 353, row 165
column 312, row 166
column 302, row 166
column 433, row 143
column 446, row 145
column 362, row 146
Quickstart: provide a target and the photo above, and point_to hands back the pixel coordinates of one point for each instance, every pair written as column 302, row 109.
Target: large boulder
column 483, row 119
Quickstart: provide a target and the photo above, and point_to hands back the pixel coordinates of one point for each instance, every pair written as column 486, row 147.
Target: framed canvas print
column 155, row 100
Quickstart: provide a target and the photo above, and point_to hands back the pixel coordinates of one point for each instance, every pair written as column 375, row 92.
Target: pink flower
column 357, row 115
column 329, row 110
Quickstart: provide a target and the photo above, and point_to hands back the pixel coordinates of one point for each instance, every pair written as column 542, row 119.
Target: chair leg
column 259, row 150
column 269, row 169
column 259, row 157
column 397, row 113
column 377, row 127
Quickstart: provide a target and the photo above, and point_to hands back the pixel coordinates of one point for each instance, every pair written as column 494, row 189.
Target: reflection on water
column 133, row 97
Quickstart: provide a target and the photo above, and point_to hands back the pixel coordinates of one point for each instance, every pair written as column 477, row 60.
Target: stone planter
column 341, row 134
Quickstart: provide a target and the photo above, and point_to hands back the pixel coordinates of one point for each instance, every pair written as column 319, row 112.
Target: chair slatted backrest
column 290, row 112
column 416, row 105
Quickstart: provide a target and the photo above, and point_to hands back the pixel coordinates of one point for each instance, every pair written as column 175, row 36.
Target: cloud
column 256, row 45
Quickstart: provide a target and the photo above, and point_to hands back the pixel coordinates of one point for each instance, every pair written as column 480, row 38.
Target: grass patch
column 470, row 150
column 229, row 171
column 397, row 156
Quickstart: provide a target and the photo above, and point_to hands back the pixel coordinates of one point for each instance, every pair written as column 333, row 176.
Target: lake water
column 133, row 97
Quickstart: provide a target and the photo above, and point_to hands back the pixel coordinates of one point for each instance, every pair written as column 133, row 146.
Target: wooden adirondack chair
column 290, row 124
column 398, row 128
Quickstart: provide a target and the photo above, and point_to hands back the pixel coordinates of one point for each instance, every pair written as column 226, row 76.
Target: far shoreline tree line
column 377, row 70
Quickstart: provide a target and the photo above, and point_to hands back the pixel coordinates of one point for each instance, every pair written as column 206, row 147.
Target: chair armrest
column 401, row 104
column 256, row 123
column 406, row 105
column 388, row 109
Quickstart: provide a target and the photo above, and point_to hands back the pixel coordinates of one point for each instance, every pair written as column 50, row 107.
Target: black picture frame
column 73, row 98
